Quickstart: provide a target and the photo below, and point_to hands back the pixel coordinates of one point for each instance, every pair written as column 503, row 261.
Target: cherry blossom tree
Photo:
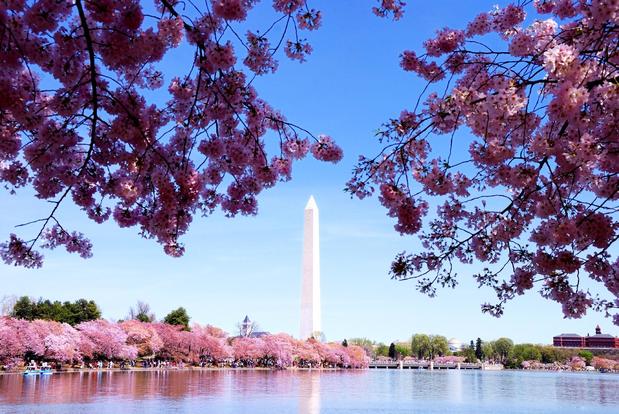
column 305, row 354
column 176, row 342
column 77, row 124
column 604, row 363
column 99, row 339
column 208, row 347
column 103, row 339
column 62, row 343
column 143, row 336
column 519, row 153
column 328, row 356
column 358, row 357
column 34, row 337
column 12, row 338
column 449, row 359
column 341, row 354
column 247, row 351
column 576, row 363
column 277, row 351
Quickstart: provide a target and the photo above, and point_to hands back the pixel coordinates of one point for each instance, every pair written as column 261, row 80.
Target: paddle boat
column 38, row 371
column 32, row 371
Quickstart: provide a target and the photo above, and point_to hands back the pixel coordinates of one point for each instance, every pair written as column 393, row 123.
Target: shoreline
column 185, row 369
column 213, row 369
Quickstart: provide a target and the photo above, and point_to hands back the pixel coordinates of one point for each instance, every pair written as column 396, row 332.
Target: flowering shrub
column 604, row 363
column 450, row 359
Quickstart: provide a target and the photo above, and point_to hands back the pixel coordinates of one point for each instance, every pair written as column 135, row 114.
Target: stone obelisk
column 310, row 285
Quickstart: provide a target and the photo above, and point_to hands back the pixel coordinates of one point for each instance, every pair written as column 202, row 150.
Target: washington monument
column 310, row 285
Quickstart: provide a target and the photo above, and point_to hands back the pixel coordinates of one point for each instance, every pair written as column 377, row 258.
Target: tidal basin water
column 305, row 392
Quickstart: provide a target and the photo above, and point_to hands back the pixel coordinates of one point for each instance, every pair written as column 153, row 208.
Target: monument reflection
column 309, row 393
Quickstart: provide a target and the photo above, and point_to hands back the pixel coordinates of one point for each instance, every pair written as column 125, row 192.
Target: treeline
column 82, row 310
column 502, row 350
column 421, row 346
column 73, row 313
column 100, row 340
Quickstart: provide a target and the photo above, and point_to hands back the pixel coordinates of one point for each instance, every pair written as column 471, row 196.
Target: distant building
column 247, row 329
column 569, row 340
column 599, row 340
column 455, row 345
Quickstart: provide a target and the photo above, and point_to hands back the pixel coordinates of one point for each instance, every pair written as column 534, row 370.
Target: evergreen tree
column 24, row 309
column 479, row 353
column 345, row 343
column 392, row 353
column 72, row 313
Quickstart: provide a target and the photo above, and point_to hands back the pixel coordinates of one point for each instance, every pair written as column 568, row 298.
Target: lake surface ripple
column 305, row 392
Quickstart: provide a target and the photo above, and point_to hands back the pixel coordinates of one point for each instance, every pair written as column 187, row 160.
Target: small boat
column 32, row 371
column 46, row 371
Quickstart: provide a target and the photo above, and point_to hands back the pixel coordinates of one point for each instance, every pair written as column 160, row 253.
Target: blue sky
column 252, row 265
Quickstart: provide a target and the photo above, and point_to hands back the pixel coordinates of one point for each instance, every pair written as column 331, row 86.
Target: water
column 303, row 392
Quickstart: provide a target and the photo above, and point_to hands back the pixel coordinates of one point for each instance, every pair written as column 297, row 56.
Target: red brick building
column 599, row 340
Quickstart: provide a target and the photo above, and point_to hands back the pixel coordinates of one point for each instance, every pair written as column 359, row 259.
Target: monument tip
column 311, row 204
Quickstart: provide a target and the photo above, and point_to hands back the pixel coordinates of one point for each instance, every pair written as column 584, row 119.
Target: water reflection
column 310, row 392
column 86, row 386
column 309, row 395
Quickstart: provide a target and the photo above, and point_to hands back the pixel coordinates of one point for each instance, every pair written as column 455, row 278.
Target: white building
column 455, row 345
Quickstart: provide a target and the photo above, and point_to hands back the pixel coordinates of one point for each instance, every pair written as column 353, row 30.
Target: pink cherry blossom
column 390, row 7
column 77, row 126
column 102, row 339
column 517, row 153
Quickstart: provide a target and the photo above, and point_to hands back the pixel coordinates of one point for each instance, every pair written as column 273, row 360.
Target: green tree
column 488, row 350
column 82, row 310
column 24, row 308
column 503, row 347
column 72, row 313
column 392, row 351
column 420, row 346
column 586, row 355
column 345, row 343
column 439, row 346
column 178, row 317
column 469, row 354
column 549, row 354
column 403, row 349
column 381, row 350
column 525, row 352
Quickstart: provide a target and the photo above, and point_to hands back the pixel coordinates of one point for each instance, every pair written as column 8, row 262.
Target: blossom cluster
column 519, row 155
column 394, row 8
column 77, row 123
column 128, row 340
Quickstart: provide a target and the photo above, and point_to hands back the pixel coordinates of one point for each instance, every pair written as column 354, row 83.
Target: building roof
column 568, row 335
column 602, row 336
column 246, row 320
